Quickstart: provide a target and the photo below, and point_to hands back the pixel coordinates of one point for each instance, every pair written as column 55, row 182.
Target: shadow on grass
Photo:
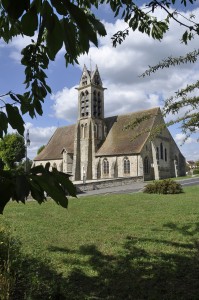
column 133, row 273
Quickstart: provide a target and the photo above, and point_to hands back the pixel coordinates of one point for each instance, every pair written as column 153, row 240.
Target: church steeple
column 90, row 95
column 91, row 129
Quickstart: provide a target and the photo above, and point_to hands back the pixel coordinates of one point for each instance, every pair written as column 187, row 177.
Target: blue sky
column 119, row 68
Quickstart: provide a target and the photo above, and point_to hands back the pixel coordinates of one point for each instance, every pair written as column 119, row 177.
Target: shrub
column 166, row 186
column 196, row 171
column 25, row 277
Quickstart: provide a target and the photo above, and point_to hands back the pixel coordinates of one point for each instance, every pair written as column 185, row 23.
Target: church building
column 99, row 148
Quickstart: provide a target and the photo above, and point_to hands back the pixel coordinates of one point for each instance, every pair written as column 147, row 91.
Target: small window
column 82, row 131
column 85, row 130
column 95, row 130
column 161, row 151
column 165, row 154
column 99, row 130
column 126, row 165
column 105, row 131
column 146, row 165
column 157, row 153
column 106, row 166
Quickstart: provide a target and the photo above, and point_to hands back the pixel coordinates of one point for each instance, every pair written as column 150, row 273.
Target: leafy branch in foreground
column 71, row 24
column 39, row 183
column 185, row 102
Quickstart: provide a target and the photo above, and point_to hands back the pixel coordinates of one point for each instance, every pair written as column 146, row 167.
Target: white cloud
column 38, row 136
column 120, row 68
column 16, row 45
column 65, row 104
column 180, row 137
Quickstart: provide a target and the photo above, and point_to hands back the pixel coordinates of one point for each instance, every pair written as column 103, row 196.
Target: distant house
column 99, row 148
column 191, row 165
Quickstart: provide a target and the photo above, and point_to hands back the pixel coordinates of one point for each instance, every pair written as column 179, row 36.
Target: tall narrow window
column 82, row 131
column 165, row 154
column 95, row 130
column 85, row 130
column 126, row 165
column 100, row 131
column 146, row 165
column 105, row 130
column 105, row 166
column 161, row 151
column 157, row 153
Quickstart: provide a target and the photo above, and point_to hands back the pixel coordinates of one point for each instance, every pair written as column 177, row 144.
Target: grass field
column 135, row 246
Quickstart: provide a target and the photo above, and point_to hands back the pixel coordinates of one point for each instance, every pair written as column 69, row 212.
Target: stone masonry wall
column 95, row 185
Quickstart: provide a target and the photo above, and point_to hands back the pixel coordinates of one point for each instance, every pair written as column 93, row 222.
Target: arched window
column 61, row 167
column 157, row 153
column 105, row 130
column 105, row 166
column 82, row 131
column 126, row 165
column 161, row 151
column 84, row 80
column 85, row 130
column 95, row 130
column 48, row 163
column 54, row 166
column 165, row 154
column 100, row 131
column 82, row 97
column 146, row 165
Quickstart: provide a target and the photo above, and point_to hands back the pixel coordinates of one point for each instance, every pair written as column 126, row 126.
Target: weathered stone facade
column 99, row 148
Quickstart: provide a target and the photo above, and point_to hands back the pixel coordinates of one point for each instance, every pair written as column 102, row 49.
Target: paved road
column 190, row 181
column 133, row 188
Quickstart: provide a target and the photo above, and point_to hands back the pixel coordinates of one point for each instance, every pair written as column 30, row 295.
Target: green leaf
column 99, row 27
column 7, row 189
column 69, row 36
column 22, row 188
column 15, row 119
column 64, row 180
column 54, row 37
column 29, row 22
column 37, row 170
column 15, row 8
column 36, row 191
column 3, row 123
column 81, row 20
column 60, row 7
column 50, row 185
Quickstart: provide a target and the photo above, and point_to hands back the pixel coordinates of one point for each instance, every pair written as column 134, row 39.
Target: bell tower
column 90, row 129
column 90, row 95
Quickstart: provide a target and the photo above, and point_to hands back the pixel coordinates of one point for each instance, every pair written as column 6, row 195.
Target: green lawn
column 135, row 246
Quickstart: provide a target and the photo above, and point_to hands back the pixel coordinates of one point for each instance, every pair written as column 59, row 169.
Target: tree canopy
column 55, row 24
column 12, row 150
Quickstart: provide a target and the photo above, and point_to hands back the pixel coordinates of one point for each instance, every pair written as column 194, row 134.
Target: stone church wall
column 56, row 163
column 116, row 166
column 95, row 185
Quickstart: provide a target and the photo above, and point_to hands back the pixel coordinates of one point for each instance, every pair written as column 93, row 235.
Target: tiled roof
column 63, row 138
column 120, row 141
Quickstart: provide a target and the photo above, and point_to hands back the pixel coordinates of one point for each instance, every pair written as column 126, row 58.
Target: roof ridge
column 135, row 112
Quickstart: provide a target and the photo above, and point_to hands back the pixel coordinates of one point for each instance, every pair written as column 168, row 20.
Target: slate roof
column 120, row 141
column 62, row 138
